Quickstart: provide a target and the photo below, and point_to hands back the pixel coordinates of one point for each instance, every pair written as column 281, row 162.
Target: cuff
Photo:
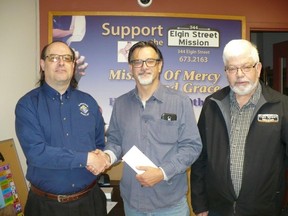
column 112, row 156
column 165, row 177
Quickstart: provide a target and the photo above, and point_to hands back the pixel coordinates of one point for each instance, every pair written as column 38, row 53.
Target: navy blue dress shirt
column 56, row 132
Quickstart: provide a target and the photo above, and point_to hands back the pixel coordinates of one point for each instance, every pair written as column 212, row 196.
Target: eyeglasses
column 56, row 58
column 244, row 69
column 150, row 62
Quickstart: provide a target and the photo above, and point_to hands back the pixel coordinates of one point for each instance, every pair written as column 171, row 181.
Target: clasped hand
column 150, row 176
column 97, row 162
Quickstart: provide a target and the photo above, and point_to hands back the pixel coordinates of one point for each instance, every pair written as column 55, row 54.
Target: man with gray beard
column 160, row 122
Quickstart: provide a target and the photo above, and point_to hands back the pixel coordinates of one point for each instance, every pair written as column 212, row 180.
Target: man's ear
column 160, row 66
column 130, row 70
column 42, row 64
column 258, row 68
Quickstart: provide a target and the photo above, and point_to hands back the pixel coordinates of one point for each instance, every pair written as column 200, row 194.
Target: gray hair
column 240, row 47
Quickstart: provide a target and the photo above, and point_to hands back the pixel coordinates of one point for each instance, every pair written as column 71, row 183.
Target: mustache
column 144, row 72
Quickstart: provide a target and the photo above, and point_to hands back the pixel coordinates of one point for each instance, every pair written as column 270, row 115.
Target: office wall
column 19, row 44
column 259, row 14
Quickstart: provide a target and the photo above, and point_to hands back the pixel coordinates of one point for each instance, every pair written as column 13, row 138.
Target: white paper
column 134, row 157
column 108, row 192
column 110, row 205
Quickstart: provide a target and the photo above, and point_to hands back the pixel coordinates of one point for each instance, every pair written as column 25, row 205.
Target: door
column 280, row 71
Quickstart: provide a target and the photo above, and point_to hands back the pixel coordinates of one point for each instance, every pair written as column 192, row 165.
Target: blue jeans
column 179, row 209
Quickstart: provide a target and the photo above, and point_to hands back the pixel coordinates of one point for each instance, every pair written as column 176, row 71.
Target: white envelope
column 134, row 157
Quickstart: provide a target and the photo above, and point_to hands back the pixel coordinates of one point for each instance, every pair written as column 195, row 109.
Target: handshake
column 98, row 162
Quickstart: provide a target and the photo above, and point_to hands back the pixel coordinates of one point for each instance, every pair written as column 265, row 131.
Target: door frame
column 280, row 52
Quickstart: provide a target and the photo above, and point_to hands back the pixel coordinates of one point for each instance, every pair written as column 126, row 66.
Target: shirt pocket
column 165, row 132
column 85, row 131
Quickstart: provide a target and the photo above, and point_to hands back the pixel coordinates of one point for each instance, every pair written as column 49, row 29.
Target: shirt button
column 73, row 185
column 67, row 134
column 64, row 118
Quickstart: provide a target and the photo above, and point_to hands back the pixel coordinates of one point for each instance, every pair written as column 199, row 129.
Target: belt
column 63, row 198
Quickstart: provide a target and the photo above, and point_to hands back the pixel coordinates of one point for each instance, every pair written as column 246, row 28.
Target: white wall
column 19, row 48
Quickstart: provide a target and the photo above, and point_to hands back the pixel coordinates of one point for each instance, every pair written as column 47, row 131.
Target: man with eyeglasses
column 160, row 122
column 59, row 129
column 241, row 170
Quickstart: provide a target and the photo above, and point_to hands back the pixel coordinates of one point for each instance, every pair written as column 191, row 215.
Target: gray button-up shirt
column 172, row 145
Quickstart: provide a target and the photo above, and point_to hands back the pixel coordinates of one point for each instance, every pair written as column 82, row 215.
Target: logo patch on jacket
column 84, row 109
column 268, row 118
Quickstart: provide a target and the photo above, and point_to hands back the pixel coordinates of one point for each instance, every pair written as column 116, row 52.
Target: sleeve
column 285, row 122
column 197, row 178
column 114, row 138
column 32, row 139
column 99, row 129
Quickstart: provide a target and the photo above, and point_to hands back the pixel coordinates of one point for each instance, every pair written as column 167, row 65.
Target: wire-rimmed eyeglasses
column 244, row 69
column 56, row 58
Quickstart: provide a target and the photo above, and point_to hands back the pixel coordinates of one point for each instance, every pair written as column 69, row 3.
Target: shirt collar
column 157, row 95
column 55, row 94
column 253, row 100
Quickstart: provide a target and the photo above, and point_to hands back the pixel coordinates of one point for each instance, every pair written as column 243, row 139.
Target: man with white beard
column 241, row 170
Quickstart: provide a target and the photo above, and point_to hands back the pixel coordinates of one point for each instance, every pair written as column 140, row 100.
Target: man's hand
column 97, row 162
column 150, row 177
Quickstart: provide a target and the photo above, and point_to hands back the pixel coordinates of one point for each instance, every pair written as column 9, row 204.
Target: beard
column 244, row 90
column 145, row 79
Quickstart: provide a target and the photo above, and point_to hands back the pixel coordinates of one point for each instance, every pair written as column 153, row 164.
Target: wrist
column 108, row 157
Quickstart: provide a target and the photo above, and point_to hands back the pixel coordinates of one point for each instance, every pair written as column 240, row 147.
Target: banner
column 191, row 45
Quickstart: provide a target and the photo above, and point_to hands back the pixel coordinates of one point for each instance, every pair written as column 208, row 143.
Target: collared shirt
column 240, row 124
column 172, row 145
column 56, row 132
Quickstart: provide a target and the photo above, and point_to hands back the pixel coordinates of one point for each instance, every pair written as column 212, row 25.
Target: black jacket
column 262, row 188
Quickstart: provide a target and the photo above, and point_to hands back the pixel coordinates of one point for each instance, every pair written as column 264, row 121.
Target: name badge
column 268, row 118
